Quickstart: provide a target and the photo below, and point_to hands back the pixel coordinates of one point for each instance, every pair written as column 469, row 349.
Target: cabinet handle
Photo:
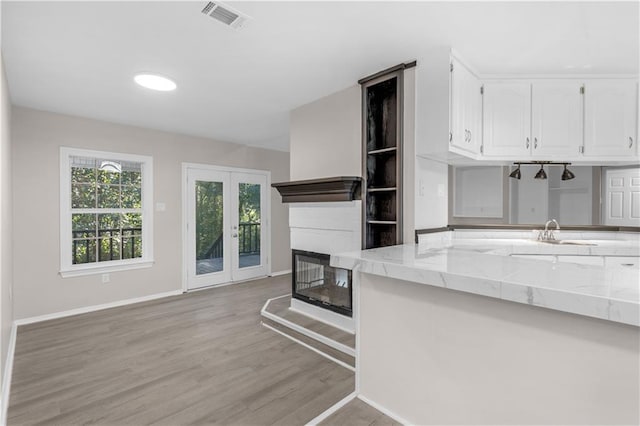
column 527, row 143
column 450, row 137
column 470, row 135
column 535, row 143
column 630, row 142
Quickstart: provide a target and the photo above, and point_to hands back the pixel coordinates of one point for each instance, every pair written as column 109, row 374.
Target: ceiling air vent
column 225, row 14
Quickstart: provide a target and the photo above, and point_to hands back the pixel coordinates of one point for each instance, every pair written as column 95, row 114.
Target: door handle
column 234, row 235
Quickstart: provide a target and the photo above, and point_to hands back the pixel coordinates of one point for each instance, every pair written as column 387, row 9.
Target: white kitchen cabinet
column 622, row 262
column 507, row 119
column 556, row 123
column 610, row 118
column 521, row 119
column 465, row 108
column 532, row 121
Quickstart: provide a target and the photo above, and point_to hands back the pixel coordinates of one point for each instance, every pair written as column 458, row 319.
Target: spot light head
column 541, row 173
column 516, row 173
column 567, row 174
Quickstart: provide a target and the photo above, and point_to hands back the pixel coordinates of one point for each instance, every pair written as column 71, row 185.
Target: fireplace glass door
column 315, row 282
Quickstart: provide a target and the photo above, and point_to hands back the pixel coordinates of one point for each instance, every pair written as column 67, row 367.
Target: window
column 106, row 218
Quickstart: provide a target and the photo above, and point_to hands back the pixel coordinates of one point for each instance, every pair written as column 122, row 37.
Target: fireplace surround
column 316, row 282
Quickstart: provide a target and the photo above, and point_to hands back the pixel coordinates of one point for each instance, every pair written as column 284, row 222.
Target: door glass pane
column 249, row 224
column 209, row 227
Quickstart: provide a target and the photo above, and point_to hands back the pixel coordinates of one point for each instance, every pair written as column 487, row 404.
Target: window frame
column 67, row 268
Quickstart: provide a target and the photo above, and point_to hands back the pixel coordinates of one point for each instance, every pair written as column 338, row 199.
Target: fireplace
column 315, row 282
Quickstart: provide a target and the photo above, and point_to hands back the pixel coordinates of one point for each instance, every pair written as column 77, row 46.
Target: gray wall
column 468, row 359
column 325, row 137
column 37, row 137
column 6, row 226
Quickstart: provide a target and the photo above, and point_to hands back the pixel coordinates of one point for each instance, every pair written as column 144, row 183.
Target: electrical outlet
column 106, row 278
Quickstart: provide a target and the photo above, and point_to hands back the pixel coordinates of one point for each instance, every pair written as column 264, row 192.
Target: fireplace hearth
column 316, row 282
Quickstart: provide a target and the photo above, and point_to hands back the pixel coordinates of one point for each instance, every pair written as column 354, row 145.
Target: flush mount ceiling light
column 155, row 82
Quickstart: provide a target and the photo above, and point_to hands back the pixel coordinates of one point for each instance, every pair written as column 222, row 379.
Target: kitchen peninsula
column 441, row 341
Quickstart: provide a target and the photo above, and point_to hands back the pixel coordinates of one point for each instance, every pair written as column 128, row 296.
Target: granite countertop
column 486, row 267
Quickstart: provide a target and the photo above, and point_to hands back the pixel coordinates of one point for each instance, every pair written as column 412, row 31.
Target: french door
column 226, row 225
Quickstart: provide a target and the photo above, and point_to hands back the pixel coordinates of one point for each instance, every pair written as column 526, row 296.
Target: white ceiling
column 80, row 57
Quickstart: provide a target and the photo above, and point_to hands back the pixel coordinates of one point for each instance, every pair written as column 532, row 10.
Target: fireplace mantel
column 340, row 188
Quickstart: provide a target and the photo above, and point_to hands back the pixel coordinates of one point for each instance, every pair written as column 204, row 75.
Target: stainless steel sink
column 568, row 242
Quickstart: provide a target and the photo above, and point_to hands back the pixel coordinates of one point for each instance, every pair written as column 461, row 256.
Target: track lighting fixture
column 541, row 174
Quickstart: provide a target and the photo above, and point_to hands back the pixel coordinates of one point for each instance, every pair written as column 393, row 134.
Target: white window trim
column 67, row 268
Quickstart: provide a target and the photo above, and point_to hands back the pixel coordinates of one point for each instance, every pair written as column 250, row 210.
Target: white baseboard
column 383, row 410
column 329, row 411
column 277, row 274
column 6, row 377
column 94, row 308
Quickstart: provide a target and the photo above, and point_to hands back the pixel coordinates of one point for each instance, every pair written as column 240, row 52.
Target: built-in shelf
column 392, row 149
column 382, row 189
column 340, row 188
column 382, row 159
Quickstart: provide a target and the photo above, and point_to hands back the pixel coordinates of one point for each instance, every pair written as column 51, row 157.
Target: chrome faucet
column 547, row 234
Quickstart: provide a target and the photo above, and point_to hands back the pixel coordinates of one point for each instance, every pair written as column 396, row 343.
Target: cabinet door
column 473, row 111
column 506, row 119
column 458, row 135
column 557, row 110
column 610, row 118
column 463, row 110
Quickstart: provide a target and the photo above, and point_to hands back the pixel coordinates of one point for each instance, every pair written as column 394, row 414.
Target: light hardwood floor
column 358, row 413
column 198, row 358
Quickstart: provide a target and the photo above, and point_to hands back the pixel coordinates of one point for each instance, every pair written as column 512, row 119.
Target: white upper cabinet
column 546, row 118
column 465, row 109
column 556, row 109
column 540, row 120
column 610, row 118
column 506, row 119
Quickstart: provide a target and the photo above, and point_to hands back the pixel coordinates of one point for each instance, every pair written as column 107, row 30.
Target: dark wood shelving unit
column 382, row 159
